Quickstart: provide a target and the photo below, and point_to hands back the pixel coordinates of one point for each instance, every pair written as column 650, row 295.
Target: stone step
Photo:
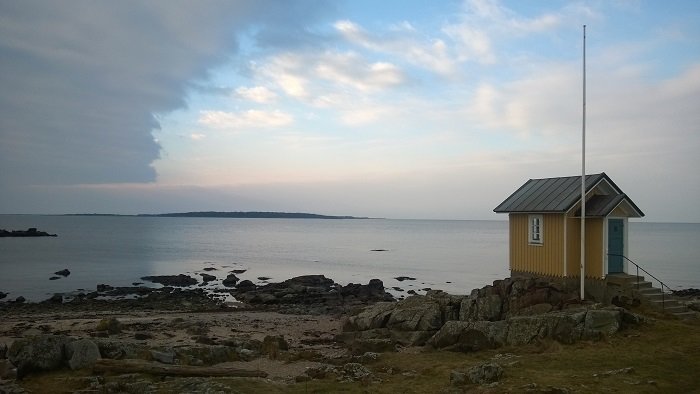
column 623, row 279
column 641, row 285
column 649, row 291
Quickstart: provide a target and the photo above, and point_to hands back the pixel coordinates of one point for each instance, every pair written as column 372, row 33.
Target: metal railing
column 663, row 285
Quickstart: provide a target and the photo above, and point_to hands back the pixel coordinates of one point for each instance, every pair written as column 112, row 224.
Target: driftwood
column 138, row 366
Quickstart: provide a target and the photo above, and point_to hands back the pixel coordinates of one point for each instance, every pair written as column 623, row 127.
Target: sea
column 451, row 255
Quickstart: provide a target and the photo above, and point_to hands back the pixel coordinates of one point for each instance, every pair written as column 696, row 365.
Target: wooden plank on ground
column 140, row 366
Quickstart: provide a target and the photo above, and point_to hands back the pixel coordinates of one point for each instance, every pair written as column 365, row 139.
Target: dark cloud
column 81, row 80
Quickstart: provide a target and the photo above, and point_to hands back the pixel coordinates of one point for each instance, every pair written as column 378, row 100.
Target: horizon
column 425, row 110
column 339, row 216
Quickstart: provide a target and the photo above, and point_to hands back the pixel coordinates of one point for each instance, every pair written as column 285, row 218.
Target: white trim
column 535, row 238
column 605, row 247
column 625, row 229
column 565, row 251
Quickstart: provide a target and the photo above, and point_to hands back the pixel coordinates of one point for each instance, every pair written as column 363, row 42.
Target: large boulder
column 485, row 373
column 566, row 326
column 470, row 335
column 372, row 317
column 82, row 353
column 416, row 314
column 602, row 322
column 40, row 353
column 230, row 280
column 411, row 321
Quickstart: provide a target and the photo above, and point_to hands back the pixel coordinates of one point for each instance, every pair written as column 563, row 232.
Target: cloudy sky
column 400, row 109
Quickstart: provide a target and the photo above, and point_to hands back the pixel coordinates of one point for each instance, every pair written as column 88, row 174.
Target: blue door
column 616, row 247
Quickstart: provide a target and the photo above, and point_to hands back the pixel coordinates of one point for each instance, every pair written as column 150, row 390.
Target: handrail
column 663, row 301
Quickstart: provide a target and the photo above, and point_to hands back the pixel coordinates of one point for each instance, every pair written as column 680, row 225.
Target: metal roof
column 561, row 194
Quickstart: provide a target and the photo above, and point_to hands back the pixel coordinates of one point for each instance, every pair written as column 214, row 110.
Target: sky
column 398, row 109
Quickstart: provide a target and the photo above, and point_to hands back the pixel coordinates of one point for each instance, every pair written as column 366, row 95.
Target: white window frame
column 535, row 229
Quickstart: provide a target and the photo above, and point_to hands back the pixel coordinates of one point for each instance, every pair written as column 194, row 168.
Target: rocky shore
column 302, row 329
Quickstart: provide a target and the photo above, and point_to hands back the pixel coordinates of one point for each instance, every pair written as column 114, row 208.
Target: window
column 535, row 229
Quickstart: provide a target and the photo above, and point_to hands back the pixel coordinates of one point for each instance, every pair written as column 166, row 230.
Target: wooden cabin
column 545, row 228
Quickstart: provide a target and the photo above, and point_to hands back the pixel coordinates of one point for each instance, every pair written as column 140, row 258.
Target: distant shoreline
column 235, row 215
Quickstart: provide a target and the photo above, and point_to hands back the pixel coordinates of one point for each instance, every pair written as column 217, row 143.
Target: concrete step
column 641, row 285
column 649, row 291
column 623, row 279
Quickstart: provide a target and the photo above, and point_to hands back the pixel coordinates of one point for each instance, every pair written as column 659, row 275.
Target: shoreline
column 306, row 330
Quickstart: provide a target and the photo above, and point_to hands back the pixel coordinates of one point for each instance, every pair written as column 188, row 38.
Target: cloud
column 258, row 94
column 403, row 43
column 82, row 81
column 250, row 119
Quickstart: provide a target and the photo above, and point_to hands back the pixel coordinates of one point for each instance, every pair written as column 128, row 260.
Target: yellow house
column 545, row 228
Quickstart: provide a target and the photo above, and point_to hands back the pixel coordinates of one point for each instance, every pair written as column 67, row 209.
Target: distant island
column 241, row 215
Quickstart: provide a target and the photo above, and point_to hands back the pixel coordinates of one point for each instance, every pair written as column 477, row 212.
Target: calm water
column 454, row 256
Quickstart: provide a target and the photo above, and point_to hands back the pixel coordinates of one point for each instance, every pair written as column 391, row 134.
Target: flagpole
column 583, row 174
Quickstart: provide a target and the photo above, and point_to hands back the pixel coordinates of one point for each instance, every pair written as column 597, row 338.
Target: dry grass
column 664, row 357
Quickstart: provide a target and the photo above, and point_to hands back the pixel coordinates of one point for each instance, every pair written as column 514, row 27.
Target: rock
column 110, row 325
column 142, row 336
column 691, row 292
column 207, row 278
column 165, row 357
column 64, row 272
column 11, row 387
column 210, row 269
column 7, row 371
column 54, row 278
column 603, row 322
column 180, row 280
column 102, row 288
column 621, row 371
column 355, row 371
column 245, row 285
column 117, row 350
column 403, row 278
column 264, row 278
column 82, row 354
column 40, row 353
column 470, row 336
column 311, row 294
column 3, row 351
column 485, row 373
column 230, row 280
column 272, row 345
column 56, row 299
column 415, row 314
column 478, row 307
column 458, row 378
column 239, row 271
column 2, row 295
column 374, row 316
column 20, row 299
column 372, row 345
